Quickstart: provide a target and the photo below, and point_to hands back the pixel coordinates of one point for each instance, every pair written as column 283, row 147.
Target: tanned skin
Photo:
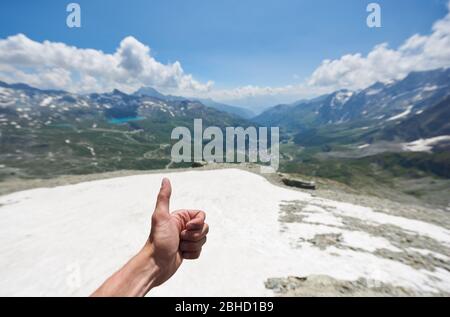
column 174, row 237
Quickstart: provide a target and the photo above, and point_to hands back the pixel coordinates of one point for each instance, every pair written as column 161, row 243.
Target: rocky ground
column 410, row 248
column 326, row 286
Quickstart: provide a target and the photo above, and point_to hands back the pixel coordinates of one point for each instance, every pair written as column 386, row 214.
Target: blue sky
column 233, row 43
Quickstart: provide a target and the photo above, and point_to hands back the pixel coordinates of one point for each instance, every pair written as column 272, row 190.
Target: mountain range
column 238, row 111
column 44, row 133
column 394, row 129
column 416, row 107
column 390, row 139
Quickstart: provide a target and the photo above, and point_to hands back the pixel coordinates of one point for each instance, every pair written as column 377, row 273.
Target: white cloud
column 418, row 53
column 57, row 65
column 355, row 71
column 257, row 98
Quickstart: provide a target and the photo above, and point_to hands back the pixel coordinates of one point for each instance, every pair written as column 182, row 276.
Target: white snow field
column 66, row 241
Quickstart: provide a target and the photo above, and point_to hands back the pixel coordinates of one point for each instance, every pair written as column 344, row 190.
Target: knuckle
column 188, row 246
column 195, row 236
column 163, row 196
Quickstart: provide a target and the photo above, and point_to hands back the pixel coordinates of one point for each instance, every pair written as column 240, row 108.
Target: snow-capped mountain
column 428, row 123
column 237, row 111
column 380, row 104
column 45, row 133
column 24, row 106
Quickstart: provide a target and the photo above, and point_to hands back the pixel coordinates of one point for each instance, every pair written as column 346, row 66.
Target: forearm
column 136, row 278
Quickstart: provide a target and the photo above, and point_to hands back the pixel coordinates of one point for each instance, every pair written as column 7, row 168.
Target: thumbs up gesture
column 174, row 236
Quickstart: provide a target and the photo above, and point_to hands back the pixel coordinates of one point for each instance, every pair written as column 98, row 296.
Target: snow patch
column 46, row 101
column 372, row 92
column 401, row 115
column 430, row 88
column 93, row 228
column 91, row 149
column 341, row 98
column 369, row 216
column 424, row 145
column 364, row 241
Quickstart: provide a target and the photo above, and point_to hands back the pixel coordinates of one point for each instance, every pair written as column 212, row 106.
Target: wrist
column 136, row 278
column 147, row 270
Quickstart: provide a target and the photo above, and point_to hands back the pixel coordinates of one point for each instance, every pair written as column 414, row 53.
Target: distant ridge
column 238, row 111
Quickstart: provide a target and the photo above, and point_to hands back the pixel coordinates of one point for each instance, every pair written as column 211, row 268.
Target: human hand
column 174, row 236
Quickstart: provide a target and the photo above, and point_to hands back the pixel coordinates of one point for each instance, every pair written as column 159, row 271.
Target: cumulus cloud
column 355, row 71
column 418, row 53
column 57, row 65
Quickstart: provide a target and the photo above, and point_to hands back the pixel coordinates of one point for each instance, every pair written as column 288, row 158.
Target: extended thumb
column 162, row 203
